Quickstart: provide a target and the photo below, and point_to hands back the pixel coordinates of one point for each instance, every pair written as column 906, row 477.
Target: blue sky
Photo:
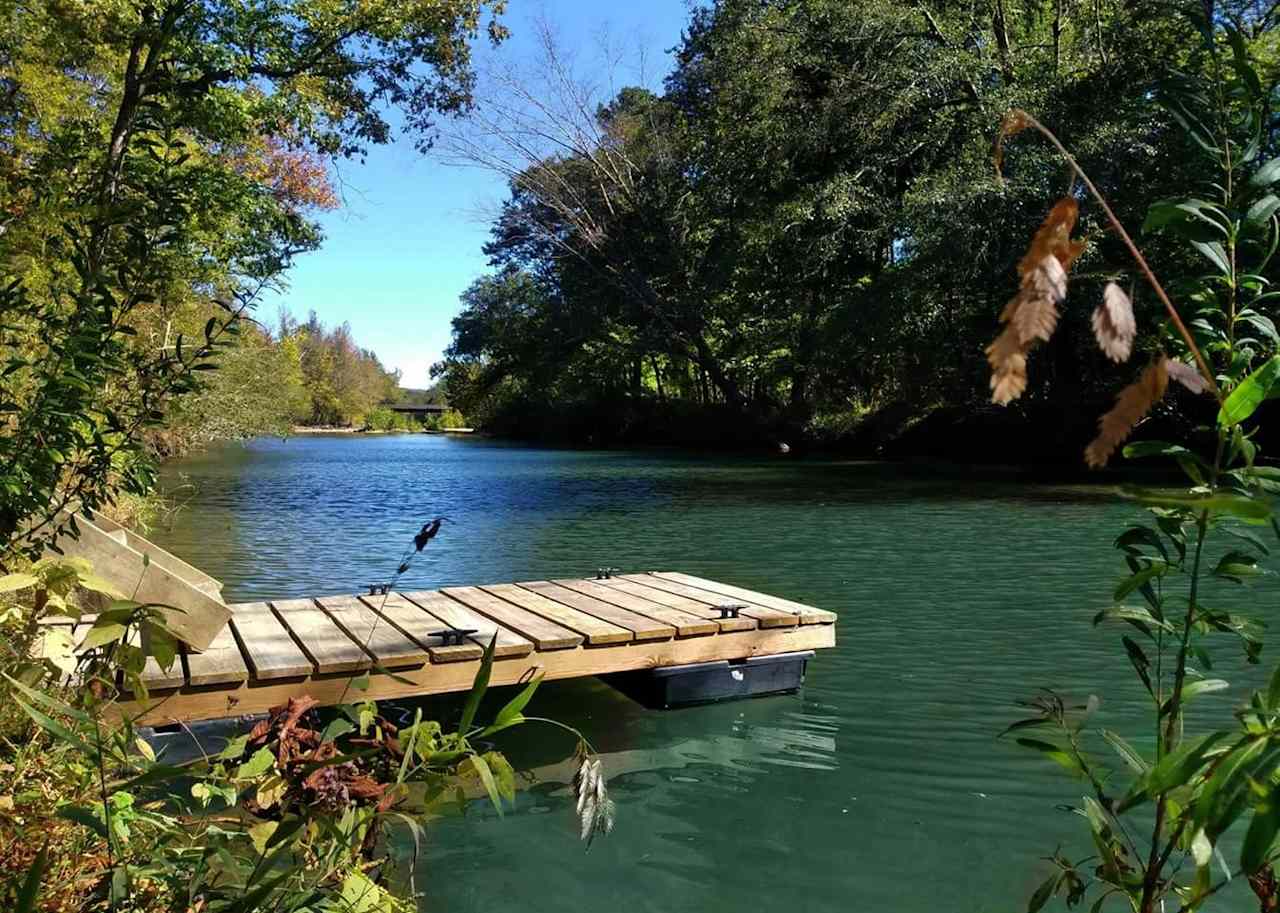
column 407, row 242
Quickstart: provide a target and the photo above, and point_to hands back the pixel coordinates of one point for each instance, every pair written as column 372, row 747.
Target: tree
column 156, row 153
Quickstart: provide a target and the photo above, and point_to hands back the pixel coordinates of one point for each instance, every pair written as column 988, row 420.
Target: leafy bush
column 1177, row 803
column 381, row 418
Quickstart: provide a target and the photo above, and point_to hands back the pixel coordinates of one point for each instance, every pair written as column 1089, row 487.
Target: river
column 880, row 787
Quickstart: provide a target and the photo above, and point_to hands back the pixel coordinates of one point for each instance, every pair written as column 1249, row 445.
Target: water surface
column 880, row 787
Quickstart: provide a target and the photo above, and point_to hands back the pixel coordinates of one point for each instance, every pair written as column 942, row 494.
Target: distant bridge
column 419, row 411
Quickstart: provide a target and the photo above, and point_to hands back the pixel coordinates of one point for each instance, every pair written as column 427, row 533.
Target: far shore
column 339, row 429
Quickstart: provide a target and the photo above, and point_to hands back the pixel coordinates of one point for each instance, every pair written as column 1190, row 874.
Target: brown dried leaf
column 1053, row 237
column 1113, row 323
column 1008, row 360
column 1014, row 122
column 1043, row 289
column 1187, row 375
column 1133, row 402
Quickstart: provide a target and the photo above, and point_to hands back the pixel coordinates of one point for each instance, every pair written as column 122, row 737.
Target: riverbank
column 1047, row 435
column 348, row 429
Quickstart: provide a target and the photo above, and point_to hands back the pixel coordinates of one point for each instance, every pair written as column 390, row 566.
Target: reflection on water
column 880, row 787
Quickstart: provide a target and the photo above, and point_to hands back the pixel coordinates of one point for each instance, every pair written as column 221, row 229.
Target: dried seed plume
column 1132, row 404
column 1113, row 323
column 1187, row 375
column 1031, row 315
column 596, row 810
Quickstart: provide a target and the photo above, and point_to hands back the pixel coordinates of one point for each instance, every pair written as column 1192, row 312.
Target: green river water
column 879, row 787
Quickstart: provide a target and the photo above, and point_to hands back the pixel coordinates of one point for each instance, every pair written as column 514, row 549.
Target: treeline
column 804, row 237
column 298, row 373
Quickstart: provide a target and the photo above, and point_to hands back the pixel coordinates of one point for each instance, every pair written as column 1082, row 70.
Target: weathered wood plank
column 202, row 615
column 546, row 635
column 422, row 627
column 807, row 614
column 633, row 584
column 221, row 663
column 170, row 562
column 686, row 625
column 642, row 627
column 436, row 679
column 373, row 632
column 764, row 616
column 328, row 646
column 456, row 615
column 269, row 651
column 593, row 629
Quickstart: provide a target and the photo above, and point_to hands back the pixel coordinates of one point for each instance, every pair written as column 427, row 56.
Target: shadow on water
column 880, row 786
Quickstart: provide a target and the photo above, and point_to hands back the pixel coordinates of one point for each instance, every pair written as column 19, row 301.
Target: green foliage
column 381, row 418
column 161, row 159
column 806, row 221
column 1198, row 544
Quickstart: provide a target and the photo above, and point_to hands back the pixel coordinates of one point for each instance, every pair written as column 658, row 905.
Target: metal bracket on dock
column 730, row 609
column 378, row 589
column 455, row 636
column 605, row 573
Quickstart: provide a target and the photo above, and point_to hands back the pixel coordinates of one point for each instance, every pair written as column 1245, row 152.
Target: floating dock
column 433, row 641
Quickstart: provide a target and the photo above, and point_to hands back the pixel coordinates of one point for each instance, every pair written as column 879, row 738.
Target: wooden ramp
column 433, row 640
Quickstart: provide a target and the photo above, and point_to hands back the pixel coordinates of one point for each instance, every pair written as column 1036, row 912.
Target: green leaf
column 1245, row 398
column 1215, row 253
column 262, row 832
column 337, row 728
column 102, row 633
column 1127, row 752
column 1054, row 753
column 1174, row 769
column 1140, row 618
column 30, row 889
column 1131, row 583
column 234, row 748
column 1043, row 893
column 1263, row 209
column 478, row 687
column 1203, row 686
column 259, row 763
column 1261, row 834
column 1267, row 175
column 486, row 777
column 511, row 715
column 12, row 582
column 1246, row 508
column 1273, row 690
column 1139, row 661
column 83, row 816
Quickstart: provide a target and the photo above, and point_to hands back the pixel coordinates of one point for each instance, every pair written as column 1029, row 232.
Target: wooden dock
column 433, row 640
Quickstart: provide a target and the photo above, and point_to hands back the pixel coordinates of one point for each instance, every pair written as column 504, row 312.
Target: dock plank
column 807, row 614
column 220, row 663
column 421, row 627
column 269, row 651
column 764, row 616
column 634, row 585
column 373, row 632
column 641, row 626
column 595, row 630
column 456, row 677
column 457, row 615
column 546, row 635
column 321, row 639
column 686, row 624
